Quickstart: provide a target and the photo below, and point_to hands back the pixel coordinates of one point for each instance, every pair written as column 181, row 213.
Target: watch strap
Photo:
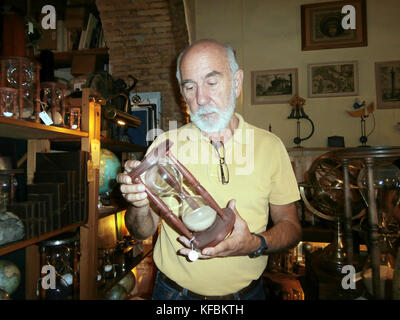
column 261, row 249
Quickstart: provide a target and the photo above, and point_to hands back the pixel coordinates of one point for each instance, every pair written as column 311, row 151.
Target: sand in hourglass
column 199, row 219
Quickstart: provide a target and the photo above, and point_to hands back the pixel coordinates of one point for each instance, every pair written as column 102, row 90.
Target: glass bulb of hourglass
column 164, row 179
column 8, row 103
column 196, row 214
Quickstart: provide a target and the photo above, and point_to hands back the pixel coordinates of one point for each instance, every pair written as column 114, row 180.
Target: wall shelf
column 22, row 129
column 64, row 59
column 113, row 145
column 10, row 247
column 114, row 208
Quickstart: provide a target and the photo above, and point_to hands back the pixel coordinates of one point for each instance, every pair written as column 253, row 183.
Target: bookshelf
column 64, row 59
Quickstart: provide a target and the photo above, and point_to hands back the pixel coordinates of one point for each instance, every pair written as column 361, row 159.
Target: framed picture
column 335, row 79
column 321, row 25
column 387, row 77
column 273, row 86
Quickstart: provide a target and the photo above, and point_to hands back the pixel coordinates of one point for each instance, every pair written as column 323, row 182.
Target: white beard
column 216, row 122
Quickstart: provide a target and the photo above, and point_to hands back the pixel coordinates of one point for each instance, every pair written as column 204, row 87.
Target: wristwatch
column 263, row 247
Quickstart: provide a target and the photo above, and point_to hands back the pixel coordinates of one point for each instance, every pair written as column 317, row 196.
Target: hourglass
column 195, row 215
column 53, row 95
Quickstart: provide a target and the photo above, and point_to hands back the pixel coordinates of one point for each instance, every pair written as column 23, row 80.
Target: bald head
column 208, row 46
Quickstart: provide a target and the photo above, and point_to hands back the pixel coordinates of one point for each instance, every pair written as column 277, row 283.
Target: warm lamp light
column 121, row 118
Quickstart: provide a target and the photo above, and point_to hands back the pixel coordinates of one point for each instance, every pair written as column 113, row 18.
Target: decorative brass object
column 298, row 113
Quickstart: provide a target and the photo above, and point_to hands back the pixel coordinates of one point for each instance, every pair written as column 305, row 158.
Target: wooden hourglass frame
column 225, row 217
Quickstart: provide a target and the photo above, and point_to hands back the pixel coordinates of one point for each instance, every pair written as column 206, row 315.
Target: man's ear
column 238, row 82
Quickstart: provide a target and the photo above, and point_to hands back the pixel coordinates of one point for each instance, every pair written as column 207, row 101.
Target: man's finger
column 185, row 252
column 185, row 241
column 132, row 188
column 232, row 205
column 124, row 178
column 131, row 164
column 215, row 251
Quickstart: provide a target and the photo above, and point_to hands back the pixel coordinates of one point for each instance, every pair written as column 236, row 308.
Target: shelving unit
column 21, row 129
column 38, row 136
column 10, row 247
column 64, row 59
column 42, row 138
column 113, row 145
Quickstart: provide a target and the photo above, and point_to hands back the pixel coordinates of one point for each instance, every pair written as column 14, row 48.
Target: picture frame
column 387, row 81
column 273, row 86
column 332, row 79
column 321, row 25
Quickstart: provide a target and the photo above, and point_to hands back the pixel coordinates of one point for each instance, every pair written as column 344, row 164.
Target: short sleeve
column 284, row 189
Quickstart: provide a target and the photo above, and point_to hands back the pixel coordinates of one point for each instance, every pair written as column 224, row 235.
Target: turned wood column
column 373, row 229
column 348, row 215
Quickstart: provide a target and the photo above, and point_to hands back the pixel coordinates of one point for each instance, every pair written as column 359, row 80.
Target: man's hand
column 133, row 193
column 239, row 243
column 140, row 220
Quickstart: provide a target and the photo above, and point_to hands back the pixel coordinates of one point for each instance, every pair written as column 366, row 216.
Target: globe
column 10, row 276
column 117, row 292
column 325, row 187
column 110, row 166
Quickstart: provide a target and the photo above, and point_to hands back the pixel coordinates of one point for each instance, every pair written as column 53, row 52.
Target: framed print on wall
column 387, row 78
column 321, row 25
column 273, row 86
column 334, row 79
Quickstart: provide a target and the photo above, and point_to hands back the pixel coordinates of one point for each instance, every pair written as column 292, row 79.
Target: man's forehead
column 208, row 75
column 205, row 64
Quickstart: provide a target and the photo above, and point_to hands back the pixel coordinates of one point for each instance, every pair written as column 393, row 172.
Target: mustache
column 205, row 110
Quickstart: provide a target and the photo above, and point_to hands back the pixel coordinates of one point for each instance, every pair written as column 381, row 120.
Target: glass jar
column 8, row 102
column 75, row 118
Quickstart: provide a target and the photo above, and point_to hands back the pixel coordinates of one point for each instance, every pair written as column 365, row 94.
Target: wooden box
column 86, row 63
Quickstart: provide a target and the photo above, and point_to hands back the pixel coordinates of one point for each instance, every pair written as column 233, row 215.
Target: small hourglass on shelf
column 8, row 102
column 74, row 118
column 195, row 215
column 53, row 94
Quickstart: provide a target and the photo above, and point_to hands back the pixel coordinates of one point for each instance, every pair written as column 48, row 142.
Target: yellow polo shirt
column 259, row 172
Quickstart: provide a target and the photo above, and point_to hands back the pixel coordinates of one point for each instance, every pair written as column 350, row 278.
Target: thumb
column 232, row 205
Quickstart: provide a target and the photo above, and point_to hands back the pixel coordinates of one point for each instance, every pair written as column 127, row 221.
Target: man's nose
column 202, row 97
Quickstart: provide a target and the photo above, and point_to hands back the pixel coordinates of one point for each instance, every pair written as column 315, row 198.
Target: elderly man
column 241, row 166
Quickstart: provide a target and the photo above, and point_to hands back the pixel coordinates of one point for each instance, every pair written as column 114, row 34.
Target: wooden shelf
column 114, row 208
column 22, row 129
column 64, row 59
column 120, row 146
column 10, row 247
column 113, row 145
